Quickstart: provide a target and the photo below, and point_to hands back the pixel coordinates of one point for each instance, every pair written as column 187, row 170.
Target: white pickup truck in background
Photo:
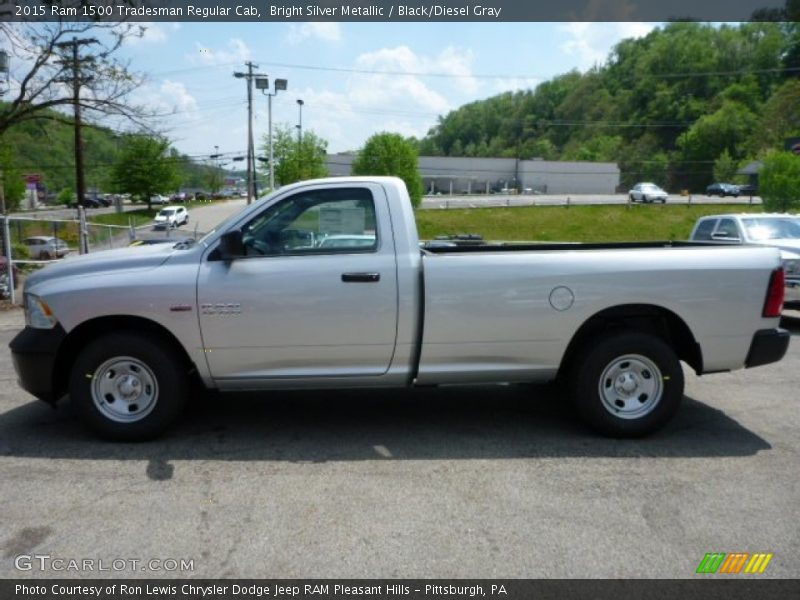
column 776, row 230
column 323, row 284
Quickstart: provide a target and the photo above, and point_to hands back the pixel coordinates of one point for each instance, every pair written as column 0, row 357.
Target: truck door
column 315, row 295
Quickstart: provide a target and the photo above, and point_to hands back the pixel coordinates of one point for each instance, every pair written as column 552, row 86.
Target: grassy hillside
column 46, row 147
column 681, row 106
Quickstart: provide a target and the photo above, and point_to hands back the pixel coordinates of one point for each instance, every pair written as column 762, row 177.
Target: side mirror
column 231, row 245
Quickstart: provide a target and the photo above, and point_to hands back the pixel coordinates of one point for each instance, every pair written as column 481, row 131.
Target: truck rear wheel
column 628, row 385
column 127, row 387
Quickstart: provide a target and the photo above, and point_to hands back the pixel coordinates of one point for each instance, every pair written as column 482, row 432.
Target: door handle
column 361, row 277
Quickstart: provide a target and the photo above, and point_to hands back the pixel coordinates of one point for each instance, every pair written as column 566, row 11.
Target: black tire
column 150, row 367
column 632, row 198
column 600, row 374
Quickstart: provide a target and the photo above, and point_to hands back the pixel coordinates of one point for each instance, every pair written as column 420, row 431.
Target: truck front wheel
column 627, row 385
column 127, row 387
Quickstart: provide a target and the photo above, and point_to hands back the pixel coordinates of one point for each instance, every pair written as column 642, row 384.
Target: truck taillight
column 773, row 306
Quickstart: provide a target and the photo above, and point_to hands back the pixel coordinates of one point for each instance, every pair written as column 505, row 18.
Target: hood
column 121, row 259
column 789, row 247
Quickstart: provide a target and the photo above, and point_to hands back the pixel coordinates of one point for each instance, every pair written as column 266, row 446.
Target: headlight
column 37, row 314
column 792, row 266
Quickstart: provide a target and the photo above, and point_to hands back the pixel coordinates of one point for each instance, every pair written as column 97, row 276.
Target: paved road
column 201, row 220
column 486, row 482
column 480, row 201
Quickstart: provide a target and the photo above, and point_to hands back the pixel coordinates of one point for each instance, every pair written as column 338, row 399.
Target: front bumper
column 34, row 352
column 768, row 346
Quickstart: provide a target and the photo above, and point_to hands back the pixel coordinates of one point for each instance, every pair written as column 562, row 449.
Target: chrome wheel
column 124, row 389
column 631, row 386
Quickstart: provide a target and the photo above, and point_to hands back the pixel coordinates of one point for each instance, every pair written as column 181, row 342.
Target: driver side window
column 315, row 222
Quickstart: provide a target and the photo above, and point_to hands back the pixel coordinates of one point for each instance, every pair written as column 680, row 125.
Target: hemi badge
column 180, row 308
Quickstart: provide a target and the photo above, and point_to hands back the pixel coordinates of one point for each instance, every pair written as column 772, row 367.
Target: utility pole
column 76, row 80
column 300, row 122
column 5, row 75
column 251, row 155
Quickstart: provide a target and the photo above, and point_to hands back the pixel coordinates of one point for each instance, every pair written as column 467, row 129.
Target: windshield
column 166, row 212
column 772, row 228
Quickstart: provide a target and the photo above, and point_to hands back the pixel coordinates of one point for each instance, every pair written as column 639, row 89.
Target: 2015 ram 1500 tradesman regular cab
column 323, row 284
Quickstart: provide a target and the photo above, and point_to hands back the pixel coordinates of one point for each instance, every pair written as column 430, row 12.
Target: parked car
column 748, row 190
column 158, row 199
column 45, row 247
column 179, row 197
column 172, row 216
column 648, row 192
column 722, row 190
column 778, row 230
column 610, row 322
column 88, row 203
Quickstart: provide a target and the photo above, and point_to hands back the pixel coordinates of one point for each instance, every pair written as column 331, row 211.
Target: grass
column 603, row 223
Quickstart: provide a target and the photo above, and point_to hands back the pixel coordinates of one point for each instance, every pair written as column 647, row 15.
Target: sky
column 355, row 79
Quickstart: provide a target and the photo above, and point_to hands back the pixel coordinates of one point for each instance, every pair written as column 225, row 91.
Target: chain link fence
column 29, row 243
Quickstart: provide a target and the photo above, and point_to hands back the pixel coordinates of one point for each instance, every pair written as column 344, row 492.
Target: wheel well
column 89, row 330
column 645, row 318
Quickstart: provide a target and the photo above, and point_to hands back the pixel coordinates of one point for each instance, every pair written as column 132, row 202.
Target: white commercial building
column 466, row 175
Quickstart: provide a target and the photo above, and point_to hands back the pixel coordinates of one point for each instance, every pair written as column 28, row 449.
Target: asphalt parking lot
column 496, row 482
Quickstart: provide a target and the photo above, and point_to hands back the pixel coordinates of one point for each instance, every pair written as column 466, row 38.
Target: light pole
column 263, row 85
column 300, row 122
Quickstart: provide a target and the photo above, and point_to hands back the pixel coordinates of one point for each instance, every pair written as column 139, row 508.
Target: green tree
column 391, row 154
column 727, row 129
column 541, row 148
column 296, row 161
column 65, row 196
column 145, row 167
column 13, row 184
column 725, row 167
column 780, row 117
column 41, row 59
column 779, row 182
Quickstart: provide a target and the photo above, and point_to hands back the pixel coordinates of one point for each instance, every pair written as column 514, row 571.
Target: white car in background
column 172, row 216
column 647, row 192
column 46, row 247
column 158, row 199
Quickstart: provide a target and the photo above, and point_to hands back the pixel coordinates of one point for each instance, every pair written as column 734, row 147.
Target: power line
column 397, row 73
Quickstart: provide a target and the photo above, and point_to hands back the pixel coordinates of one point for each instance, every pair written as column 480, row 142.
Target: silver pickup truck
column 323, row 284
